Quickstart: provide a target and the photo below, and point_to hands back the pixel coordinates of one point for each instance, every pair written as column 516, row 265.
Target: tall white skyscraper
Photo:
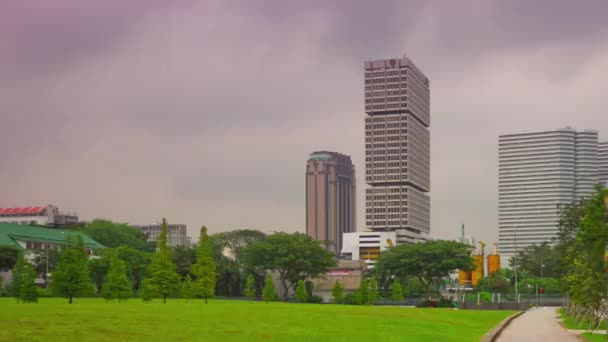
column 397, row 147
column 603, row 154
column 537, row 173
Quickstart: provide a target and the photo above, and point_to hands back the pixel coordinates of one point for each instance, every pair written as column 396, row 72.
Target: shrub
column 352, row 299
column 269, row 293
column 397, row 291
column 338, row 293
column 301, row 293
column 315, row 299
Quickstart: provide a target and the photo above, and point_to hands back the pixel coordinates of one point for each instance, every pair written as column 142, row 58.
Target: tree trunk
column 205, row 299
column 285, row 289
column 164, row 299
column 70, row 301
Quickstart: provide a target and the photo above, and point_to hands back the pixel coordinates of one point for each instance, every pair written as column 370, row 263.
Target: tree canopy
column 425, row 260
column 163, row 277
column 8, row 256
column 117, row 285
column 71, row 277
column 204, row 269
column 535, row 257
column 294, row 256
column 111, row 234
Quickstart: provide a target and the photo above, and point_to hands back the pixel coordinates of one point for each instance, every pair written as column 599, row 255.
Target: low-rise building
column 48, row 215
column 368, row 245
column 348, row 272
column 177, row 234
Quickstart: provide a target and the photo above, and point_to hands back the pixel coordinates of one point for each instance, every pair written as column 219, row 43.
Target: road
column 537, row 324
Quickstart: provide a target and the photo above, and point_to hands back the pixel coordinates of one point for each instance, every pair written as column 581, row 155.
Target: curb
column 493, row 334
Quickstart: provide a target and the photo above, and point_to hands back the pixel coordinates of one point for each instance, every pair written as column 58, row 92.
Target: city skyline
column 149, row 109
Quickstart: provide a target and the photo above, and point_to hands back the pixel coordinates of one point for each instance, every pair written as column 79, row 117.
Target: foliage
column 187, row 289
column 531, row 259
column 294, row 256
column 373, row 291
column 314, row 299
column 582, row 257
column 269, row 293
column 250, row 287
column 301, row 294
column 204, row 269
column 495, row 284
column 529, row 285
column 71, row 277
column 111, row 234
column 8, row 256
column 337, row 292
column 136, row 262
column 163, row 276
column 183, row 258
column 426, row 260
column 397, row 291
column 146, row 291
column 441, row 302
column 352, row 299
column 413, row 287
column 117, row 285
column 22, row 285
column 231, row 268
column 362, row 294
column 98, row 269
column 43, row 258
column 93, row 320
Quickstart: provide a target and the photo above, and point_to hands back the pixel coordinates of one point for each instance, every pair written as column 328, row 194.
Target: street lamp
column 516, row 293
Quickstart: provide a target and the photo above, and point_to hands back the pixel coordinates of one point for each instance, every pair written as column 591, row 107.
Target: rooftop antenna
column 462, row 234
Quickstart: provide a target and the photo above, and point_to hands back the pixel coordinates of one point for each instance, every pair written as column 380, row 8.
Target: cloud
column 205, row 112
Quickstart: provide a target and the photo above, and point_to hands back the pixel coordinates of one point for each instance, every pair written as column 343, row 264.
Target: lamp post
column 516, row 293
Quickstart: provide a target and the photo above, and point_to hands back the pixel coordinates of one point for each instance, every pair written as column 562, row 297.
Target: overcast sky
column 205, row 111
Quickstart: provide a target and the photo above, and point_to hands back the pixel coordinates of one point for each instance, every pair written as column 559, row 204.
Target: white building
column 43, row 216
column 603, row 155
column 177, row 234
column 537, row 173
column 368, row 245
column 397, row 146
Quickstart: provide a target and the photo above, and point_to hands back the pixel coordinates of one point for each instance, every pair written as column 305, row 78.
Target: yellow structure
column 478, row 271
column 464, row 278
column 493, row 264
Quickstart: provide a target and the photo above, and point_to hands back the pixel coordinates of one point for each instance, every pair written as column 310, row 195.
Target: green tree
column 204, row 269
column 397, row 291
column 373, row 291
column 294, row 256
column 363, row 291
column 301, row 294
column 495, row 284
column 98, row 269
column 111, row 234
column 426, row 261
column 187, row 289
column 22, row 286
column 269, row 293
column 163, row 277
column 136, row 262
column 44, row 262
column 536, row 260
column 413, row 287
column 146, row 291
column 183, row 258
column 8, row 256
column 337, row 292
column 117, row 285
column 71, row 277
column 29, row 291
column 250, row 287
column 17, row 276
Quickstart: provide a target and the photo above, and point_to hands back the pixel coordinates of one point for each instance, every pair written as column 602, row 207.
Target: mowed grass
column 594, row 337
column 223, row 320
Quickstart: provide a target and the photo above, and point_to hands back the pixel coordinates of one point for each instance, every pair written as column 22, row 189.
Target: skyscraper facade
column 397, row 147
column 330, row 198
column 603, row 155
column 537, row 173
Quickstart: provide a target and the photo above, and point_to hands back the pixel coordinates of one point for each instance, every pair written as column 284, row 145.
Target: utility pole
column 46, row 275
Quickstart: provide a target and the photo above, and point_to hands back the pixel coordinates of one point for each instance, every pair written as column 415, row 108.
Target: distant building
column 397, row 147
column 348, row 272
column 330, row 198
column 44, row 216
column 537, row 173
column 603, row 155
column 367, row 245
column 177, row 234
column 32, row 238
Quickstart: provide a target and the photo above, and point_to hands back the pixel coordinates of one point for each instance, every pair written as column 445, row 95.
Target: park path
column 537, row 324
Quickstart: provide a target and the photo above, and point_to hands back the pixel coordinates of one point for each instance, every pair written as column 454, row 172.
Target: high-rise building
column 330, row 198
column 603, row 155
column 397, row 147
column 177, row 234
column 537, row 173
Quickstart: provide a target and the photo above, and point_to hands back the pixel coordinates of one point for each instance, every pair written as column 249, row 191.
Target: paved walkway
column 537, row 324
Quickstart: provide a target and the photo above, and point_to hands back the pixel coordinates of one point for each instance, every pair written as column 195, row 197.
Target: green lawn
column 594, row 337
column 221, row 320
